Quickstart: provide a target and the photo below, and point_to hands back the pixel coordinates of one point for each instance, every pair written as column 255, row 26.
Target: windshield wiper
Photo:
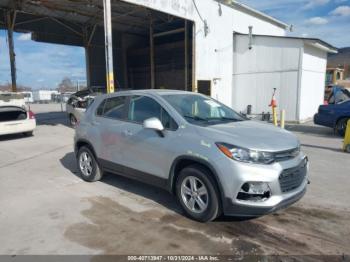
column 224, row 119
column 197, row 118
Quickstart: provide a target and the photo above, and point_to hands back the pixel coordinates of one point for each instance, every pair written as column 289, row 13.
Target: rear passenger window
column 115, row 107
column 99, row 111
column 143, row 107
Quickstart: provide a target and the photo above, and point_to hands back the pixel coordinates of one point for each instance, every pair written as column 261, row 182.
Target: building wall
column 214, row 51
column 313, row 80
column 271, row 63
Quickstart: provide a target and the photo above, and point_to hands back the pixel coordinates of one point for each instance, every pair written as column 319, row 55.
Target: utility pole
column 151, row 43
column 186, row 56
column 108, row 45
column 10, row 26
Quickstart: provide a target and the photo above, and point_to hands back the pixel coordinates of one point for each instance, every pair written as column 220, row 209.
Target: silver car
column 76, row 107
column 210, row 157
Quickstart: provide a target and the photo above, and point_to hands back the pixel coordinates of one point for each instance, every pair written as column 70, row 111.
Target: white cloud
column 317, row 21
column 343, row 10
column 25, row 37
column 315, row 3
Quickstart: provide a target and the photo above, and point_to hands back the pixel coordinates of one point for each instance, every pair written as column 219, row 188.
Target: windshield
column 202, row 110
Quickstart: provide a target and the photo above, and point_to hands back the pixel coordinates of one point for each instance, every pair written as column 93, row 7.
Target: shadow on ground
column 52, row 119
column 153, row 193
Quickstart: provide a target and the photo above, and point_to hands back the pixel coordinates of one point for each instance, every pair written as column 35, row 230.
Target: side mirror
column 154, row 124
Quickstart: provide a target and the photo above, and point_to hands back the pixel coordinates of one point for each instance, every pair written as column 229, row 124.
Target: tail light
column 31, row 115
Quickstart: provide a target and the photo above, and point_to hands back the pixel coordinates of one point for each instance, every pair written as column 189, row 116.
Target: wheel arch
column 341, row 117
column 82, row 142
column 183, row 161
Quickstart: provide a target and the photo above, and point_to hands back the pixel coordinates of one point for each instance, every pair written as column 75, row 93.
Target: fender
column 171, row 180
column 85, row 142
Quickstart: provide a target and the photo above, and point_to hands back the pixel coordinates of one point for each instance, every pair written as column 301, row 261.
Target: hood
column 252, row 135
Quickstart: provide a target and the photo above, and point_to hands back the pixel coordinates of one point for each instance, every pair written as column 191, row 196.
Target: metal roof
column 318, row 43
column 126, row 17
column 242, row 7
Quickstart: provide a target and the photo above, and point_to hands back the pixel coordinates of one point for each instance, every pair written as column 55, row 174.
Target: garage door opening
column 152, row 50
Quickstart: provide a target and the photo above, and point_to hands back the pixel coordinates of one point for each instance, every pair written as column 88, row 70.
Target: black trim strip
column 133, row 174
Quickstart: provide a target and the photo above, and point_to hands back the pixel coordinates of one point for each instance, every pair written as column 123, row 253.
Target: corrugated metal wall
column 271, row 63
column 313, row 81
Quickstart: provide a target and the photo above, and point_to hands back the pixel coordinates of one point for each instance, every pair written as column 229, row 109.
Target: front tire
column 341, row 126
column 197, row 193
column 87, row 165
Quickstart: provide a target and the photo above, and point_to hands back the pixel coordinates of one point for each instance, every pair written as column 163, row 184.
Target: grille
column 291, row 179
column 287, row 155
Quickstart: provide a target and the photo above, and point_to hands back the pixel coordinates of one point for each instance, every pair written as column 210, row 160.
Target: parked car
column 79, row 101
column 212, row 158
column 14, row 116
column 334, row 116
column 75, row 108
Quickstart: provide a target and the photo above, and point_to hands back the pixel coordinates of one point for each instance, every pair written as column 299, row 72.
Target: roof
column 72, row 15
column 315, row 42
column 242, row 7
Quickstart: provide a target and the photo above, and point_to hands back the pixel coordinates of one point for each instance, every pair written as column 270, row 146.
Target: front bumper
column 231, row 209
column 269, row 174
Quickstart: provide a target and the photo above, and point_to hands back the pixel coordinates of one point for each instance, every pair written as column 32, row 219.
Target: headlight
column 246, row 155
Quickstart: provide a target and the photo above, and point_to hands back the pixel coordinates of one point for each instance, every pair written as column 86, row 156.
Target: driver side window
column 143, row 107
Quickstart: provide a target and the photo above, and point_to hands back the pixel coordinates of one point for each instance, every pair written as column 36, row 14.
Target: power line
column 206, row 28
column 200, row 16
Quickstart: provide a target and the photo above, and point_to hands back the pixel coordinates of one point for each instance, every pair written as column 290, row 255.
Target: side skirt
column 134, row 174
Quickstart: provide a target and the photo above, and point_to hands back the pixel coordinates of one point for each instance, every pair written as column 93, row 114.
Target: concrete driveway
column 47, row 209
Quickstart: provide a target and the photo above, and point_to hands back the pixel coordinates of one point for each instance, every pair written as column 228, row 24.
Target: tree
column 66, row 85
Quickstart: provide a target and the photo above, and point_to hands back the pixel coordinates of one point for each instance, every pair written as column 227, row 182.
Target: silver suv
column 213, row 159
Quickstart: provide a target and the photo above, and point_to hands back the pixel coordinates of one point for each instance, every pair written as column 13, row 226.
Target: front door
column 145, row 151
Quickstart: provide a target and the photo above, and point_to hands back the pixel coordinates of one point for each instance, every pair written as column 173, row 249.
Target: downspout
column 300, row 75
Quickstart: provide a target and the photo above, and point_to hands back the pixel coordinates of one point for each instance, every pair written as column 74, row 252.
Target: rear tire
column 341, row 126
column 197, row 193
column 87, row 165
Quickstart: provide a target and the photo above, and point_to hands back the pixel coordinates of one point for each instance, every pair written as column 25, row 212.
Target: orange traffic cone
column 273, row 103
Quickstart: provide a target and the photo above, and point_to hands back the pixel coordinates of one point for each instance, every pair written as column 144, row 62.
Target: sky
column 328, row 20
column 45, row 65
column 41, row 65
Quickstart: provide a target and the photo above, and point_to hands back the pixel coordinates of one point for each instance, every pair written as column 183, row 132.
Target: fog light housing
column 254, row 191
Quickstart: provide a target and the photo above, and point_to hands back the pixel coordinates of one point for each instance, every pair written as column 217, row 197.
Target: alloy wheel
column 85, row 164
column 194, row 194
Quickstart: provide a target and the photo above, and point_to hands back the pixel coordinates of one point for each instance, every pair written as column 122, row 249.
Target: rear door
column 145, row 154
